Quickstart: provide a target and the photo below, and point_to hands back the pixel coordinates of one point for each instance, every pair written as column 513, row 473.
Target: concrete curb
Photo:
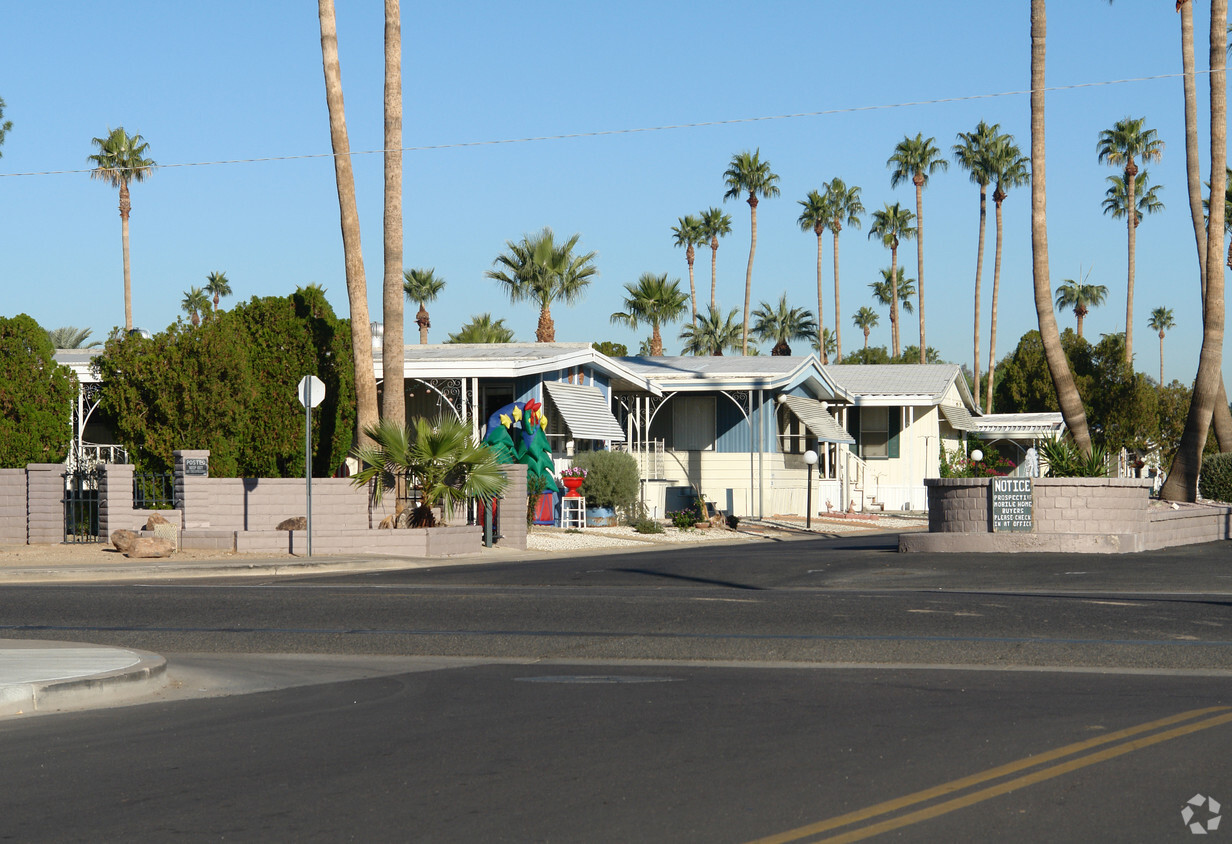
column 146, row 673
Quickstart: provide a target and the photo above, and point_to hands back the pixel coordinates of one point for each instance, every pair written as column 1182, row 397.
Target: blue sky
column 229, row 80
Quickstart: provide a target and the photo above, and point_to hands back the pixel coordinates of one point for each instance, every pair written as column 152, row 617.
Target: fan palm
column 815, row 216
column 216, row 285
column 916, row 159
column 121, row 158
column 885, row 291
column 689, row 234
column 539, row 269
column 780, row 324
column 1010, row 169
column 481, row 329
column 654, row 300
column 715, row 224
column 1116, row 198
column 421, row 287
column 713, row 334
column 748, row 174
column 1124, row 145
column 196, row 302
column 829, row 342
column 973, row 154
column 71, row 337
column 1161, row 321
column 865, row 319
column 846, row 207
column 890, row 225
column 5, row 125
column 1080, row 296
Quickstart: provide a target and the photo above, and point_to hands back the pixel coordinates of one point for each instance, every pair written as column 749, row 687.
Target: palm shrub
column 1066, row 460
column 1215, row 480
column 611, row 479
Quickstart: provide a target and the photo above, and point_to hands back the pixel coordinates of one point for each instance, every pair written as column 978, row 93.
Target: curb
column 102, row 688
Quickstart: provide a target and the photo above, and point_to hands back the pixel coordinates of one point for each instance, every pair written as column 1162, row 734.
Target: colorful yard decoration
column 516, row 433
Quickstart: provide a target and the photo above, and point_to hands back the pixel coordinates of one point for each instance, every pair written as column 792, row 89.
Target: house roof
column 736, row 372
column 79, row 360
column 510, row 360
column 900, row 383
column 1020, row 424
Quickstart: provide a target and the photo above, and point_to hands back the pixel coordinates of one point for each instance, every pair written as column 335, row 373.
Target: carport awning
column 585, row 411
column 818, row 420
column 958, row 417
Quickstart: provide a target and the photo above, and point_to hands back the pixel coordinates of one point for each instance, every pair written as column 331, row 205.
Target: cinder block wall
column 45, row 503
column 115, row 503
column 1059, row 505
column 13, row 506
column 958, row 505
column 513, row 508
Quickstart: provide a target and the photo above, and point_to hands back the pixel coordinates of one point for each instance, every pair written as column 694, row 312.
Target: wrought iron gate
column 81, row 504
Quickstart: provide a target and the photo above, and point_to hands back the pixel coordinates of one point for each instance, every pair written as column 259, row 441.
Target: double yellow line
column 1130, row 739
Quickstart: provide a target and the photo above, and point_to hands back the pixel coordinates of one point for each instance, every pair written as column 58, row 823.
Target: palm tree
column 1058, row 366
column 654, row 300
column 973, row 154
column 5, row 125
column 715, row 224
column 1161, row 321
column 1116, row 199
column 780, row 324
column 1080, row 296
column 481, row 329
column 865, row 319
column 216, row 284
column 830, row 344
column 348, row 214
column 890, row 224
column 393, row 317
column 1009, row 170
column 121, row 159
column 539, row 269
column 916, row 159
column 421, row 287
column 713, row 334
column 747, row 173
column 815, row 216
column 1126, row 143
column 689, row 234
column 71, row 337
column 846, row 207
column 885, row 291
column 196, row 302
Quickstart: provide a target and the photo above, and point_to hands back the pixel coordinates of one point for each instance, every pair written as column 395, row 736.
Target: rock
column 123, row 540
column 297, row 523
column 149, row 546
column 155, row 520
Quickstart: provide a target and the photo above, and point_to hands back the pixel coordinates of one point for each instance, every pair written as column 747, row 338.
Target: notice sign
column 196, row 466
column 1011, row 504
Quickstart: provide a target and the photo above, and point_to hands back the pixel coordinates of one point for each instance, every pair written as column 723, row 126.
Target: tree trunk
column 1131, row 218
column 866, row 339
column 979, row 271
column 1182, row 482
column 357, row 286
column 748, row 273
column 689, row 255
column 1062, row 379
column 714, row 269
column 545, row 332
column 838, row 316
column 1161, row 358
column 656, row 340
column 126, row 205
column 821, row 320
column 424, row 322
column 919, row 260
column 894, row 297
column 996, row 294
column 393, row 403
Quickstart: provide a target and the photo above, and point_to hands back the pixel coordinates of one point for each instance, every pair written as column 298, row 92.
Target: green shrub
column 683, row 519
column 1065, row 460
column 611, row 479
column 1215, row 480
column 647, row 526
column 36, row 396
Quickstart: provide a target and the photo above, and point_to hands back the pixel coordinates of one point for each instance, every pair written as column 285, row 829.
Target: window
column 793, row 436
column 693, row 423
column 874, row 433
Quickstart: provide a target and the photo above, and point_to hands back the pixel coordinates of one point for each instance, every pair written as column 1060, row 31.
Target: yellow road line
column 1001, row 771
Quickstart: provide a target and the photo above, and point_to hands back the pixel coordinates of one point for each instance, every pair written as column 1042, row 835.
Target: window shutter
column 894, row 422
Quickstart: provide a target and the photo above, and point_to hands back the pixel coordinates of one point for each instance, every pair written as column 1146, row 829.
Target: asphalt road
column 689, row 696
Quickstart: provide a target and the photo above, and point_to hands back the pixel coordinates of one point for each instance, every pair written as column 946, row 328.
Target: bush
column 36, row 396
column 1215, row 481
column 683, row 519
column 1065, row 460
column 611, row 478
column 647, row 526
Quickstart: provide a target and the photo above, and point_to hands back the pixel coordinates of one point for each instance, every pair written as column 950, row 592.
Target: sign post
column 311, row 392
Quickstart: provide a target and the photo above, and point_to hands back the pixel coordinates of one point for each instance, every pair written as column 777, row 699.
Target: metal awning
column 585, row 411
column 958, row 417
column 817, row 419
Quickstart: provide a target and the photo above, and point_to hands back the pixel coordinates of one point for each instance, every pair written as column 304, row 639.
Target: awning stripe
column 958, row 417
column 817, row 419
column 585, row 411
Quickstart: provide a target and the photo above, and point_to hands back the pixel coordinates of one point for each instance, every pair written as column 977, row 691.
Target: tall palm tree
column 828, row 341
column 216, row 285
column 1127, row 142
column 973, row 154
column 713, row 334
column 121, row 158
column 891, row 287
column 689, row 234
column 1010, row 170
column 421, row 287
column 348, row 214
column 393, row 316
column 1116, row 198
column 846, row 207
column 1058, row 366
column 748, row 174
column 916, row 159
column 815, row 216
column 654, row 300
column 780, row 324
column 715, row 224
column 71, row 337
column 1080, row 296
column 865, row 319
column 196, row 302
column 1161, row 321
column 890, row 225
column 481, row 329
column 5, row 125
column 538, row 269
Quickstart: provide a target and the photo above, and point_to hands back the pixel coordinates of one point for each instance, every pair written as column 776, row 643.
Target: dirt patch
column 102, row 554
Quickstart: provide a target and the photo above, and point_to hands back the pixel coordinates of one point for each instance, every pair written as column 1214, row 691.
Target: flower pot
column 600, row 517
column 572, row 485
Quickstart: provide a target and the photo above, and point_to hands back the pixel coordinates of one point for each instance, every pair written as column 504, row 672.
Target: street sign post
column 311, row 392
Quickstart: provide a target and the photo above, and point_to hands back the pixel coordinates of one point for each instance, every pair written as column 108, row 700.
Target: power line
column 665, row 128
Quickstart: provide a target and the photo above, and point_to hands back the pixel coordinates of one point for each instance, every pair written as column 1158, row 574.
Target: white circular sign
column 311, row 391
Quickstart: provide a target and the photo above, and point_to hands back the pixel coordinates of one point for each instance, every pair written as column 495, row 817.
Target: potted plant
column 572, row 479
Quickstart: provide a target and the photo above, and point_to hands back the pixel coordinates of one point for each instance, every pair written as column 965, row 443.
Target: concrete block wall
column 115, row 503
column 13, row 506
column 45, row 503
column 958, row 505
column 513, row 508
column 1091, row 505
column 1188, row 525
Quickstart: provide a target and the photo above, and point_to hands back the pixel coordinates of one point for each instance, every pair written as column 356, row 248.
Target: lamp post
column 810, row 460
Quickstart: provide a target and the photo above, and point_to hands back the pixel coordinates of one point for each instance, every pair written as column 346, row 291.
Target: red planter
column 572, row 485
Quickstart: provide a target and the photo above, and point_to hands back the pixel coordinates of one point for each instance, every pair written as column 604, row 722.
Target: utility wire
column 666, row 128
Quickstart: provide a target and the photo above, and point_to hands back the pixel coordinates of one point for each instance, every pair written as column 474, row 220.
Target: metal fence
column 81, row 504
column 154, row 491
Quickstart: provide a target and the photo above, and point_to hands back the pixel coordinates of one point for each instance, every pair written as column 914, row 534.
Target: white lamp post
column 810, row 460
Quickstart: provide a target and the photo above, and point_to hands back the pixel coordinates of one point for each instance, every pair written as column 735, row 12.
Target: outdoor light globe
column 810, row 457
column 977, row 455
